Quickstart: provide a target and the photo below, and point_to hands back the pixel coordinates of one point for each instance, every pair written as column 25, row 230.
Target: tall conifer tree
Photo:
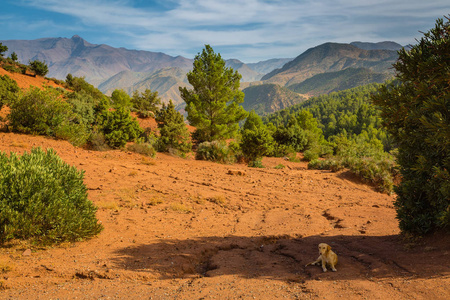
column 213, row 103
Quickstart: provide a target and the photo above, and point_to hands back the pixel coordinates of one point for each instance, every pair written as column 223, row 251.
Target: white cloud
column 253, row 27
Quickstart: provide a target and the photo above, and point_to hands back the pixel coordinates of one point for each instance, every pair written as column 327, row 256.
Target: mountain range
column 327, row 67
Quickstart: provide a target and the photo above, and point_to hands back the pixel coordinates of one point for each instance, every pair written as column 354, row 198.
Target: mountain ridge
column 330, row 57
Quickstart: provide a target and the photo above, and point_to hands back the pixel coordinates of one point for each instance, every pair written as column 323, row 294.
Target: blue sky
column 249, row 30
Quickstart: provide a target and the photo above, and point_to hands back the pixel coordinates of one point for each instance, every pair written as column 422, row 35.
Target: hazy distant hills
column 331, row 57
column 109, row 68
column 96, row 62
column 264, row 67
column 269, row 98
column 325, row 83
column 271, row 85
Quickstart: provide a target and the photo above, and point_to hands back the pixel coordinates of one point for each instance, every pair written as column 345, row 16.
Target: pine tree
column 416, row 111
column 146, row 101
column 173, row 132
column 213, row 103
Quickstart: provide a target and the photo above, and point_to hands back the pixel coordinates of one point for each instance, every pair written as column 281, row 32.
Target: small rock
column 27, row 252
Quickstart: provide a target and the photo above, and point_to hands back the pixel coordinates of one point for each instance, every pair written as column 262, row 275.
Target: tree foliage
column 256, row 140
column 416, row 113
column 146, row 101
column 118, row 127
column 173, row 132
column 8, row 90
column 120, row 98
column 14, row 56
column 39, row 112
column 39, row 68
column 213, row 103
column 3, row 49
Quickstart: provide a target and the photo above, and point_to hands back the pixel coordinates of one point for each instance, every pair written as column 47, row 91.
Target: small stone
column 27, row 252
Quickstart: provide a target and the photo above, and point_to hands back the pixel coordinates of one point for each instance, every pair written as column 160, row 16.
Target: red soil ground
column 186, row 229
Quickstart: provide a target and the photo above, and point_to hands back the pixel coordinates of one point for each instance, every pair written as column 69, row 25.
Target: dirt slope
column 26, row 81
column 185, row 229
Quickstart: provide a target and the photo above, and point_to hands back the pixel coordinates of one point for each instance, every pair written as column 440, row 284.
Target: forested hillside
column 325, row 83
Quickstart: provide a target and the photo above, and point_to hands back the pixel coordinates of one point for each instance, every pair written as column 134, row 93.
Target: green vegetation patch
column 44, row 199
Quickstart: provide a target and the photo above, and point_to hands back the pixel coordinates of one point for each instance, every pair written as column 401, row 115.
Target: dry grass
column 19, row 145
column 219, row 200
column 128, row 198
column 180, row 207
column 148, row 161
column 6, row 267
column 154, row 201
column 112, row 205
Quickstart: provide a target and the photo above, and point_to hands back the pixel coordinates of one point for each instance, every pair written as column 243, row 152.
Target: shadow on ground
column 285, row 257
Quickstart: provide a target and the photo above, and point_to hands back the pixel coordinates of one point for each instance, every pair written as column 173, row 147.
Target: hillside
column 331, row 57
column 186, row 229
column 164, row 81
column 325, row 83
column 387, row 45
column 268, row 98
column 248, row 74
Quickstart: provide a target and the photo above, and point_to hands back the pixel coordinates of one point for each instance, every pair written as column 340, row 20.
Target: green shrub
column 121, row 99
column 44, row 199
column 9, row 91
column 216, row 151
column 12, row 68
column 77, row 134
column 39, row 112
column 257, row 163
column 79, row 84
column 280, row 150
column 118, row 127
column 256, row 139
column 83, row 106
column 142, row 148
column 365, row 159
column 97, row 141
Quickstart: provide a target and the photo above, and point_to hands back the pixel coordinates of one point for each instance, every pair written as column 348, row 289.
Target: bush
column 76, row 133
column 43, row 198
column 142, row 148
column 39, row 112
column 9, row 91
column 216, row 151
column 363, row 158
column 118, row 127
column 121, row 99
column 256, row 139
column 97, row 141
column 257, row 163
column 79, row 84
